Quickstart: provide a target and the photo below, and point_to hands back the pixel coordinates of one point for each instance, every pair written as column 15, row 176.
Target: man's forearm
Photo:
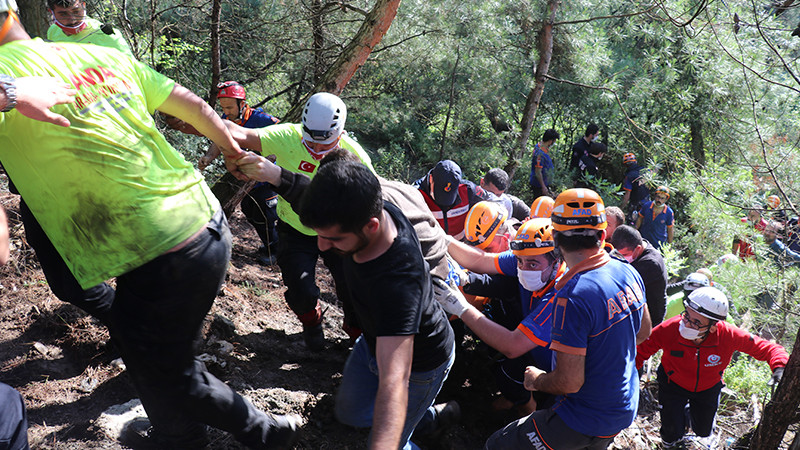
column 494, row 334
column 389, row 418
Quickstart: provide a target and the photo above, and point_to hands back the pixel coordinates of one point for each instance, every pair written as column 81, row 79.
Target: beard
column 362, row 243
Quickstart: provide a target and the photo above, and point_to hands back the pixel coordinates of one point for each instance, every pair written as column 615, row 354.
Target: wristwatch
column 10, row 88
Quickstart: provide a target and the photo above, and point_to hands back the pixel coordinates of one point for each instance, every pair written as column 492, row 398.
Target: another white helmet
column 695, row 280
column 708, row 302
column 323, row 118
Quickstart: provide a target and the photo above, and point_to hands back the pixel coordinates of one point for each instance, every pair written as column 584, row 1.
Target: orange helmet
column 230, row 89
column 663, row 190
column 542, row 207
column 628, row 158
column 577, row 209
column 773, row 201
column 534, row 237
column 483, row 221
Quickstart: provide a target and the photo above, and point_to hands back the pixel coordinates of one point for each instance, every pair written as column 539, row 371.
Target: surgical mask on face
column 630, row 258
column 688, row 333
column 531, row 279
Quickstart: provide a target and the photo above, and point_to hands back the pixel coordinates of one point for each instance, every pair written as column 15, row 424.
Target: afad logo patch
column 306, row 166
column 713, row 360
column 448, row 187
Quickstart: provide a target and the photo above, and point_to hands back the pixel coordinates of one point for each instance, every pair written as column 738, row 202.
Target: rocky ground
column 60, row 360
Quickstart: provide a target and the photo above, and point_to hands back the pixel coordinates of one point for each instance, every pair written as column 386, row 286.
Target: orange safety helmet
column 534, row 237
column 663, row 190
column 542, row 207
column 230, row 89
column 773, row 201
column 577, row 209
column 482, row 223
column 628, row 158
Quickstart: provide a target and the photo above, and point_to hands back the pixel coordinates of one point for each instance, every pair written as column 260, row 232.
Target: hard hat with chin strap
column 709, row 302
column 324, row 116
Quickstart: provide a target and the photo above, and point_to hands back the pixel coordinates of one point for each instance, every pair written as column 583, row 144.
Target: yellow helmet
column 483, row 221
column 542, row 207
column 534, row 237
column 579, row 208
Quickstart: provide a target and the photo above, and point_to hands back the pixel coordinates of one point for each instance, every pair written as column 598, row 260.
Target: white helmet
column 695, row 280
column 708, row 302
column 323, row 118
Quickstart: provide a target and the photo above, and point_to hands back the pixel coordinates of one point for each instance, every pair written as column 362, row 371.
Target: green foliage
column 748, row 376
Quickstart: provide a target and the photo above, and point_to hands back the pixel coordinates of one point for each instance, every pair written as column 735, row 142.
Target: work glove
column 777, row 374
column 451, row 299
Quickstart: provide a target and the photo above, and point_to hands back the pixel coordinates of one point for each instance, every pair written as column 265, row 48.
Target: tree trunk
column 532, row 103
column 375, row 26
column 318, row 41
column 34, row 18
column 781, row 411
column 216, row 6
column 228, row 189
column 449, row 103
column 698, row 148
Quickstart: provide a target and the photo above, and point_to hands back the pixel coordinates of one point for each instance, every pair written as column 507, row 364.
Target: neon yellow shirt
column 92, row 34
column 285, row 141
column 109, row 191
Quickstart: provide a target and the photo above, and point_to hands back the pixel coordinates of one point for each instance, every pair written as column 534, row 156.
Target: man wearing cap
column 154, row 236
column 298, row 148
column 542, row 164
column 259, row 205
column 449, row 197
column 633, row 184
column 599, row 316
column 648, row 261
column 698, row 346
column 70, row 24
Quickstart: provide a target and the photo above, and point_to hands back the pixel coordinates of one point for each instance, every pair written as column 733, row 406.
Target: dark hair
column 343, row 193
column 591, row 129
column 597, row 147
column 550, row 135
column 627, row 237
column 498, row 177
column 61, row 3
column 577, row 242
column 339, row 154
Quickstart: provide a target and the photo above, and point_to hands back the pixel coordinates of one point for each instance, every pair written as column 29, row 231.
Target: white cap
column 5, row 5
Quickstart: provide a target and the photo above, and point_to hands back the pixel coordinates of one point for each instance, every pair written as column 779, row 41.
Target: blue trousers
column 13, row 420
column 355, row 400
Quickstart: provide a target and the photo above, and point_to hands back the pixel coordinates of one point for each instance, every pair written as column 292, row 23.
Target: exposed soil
column 59, row 359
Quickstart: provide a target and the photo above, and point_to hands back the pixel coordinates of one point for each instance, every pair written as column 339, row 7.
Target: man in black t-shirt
column 398, row 365
column 647, row 260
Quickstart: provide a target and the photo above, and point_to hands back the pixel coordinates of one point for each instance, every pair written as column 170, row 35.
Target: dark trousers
column 13, row 420
column 297, row 258
column 96, row 300
column 156, row 321
column 673, row 398
column 259, row 207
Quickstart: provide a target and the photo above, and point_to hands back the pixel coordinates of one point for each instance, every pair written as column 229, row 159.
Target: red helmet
column 230, row 89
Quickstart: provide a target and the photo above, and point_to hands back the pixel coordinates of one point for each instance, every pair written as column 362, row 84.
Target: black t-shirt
column 579, row 150
column 393, row 296
column 650, row 265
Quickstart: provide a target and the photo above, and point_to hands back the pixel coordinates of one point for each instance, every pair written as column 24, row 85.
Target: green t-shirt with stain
column 109, row 191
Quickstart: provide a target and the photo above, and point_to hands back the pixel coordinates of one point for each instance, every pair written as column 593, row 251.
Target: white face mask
column 687, row 333
column 531, row 279
column 630, row 258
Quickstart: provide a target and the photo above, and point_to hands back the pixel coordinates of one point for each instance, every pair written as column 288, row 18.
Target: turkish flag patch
column 306, row 166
